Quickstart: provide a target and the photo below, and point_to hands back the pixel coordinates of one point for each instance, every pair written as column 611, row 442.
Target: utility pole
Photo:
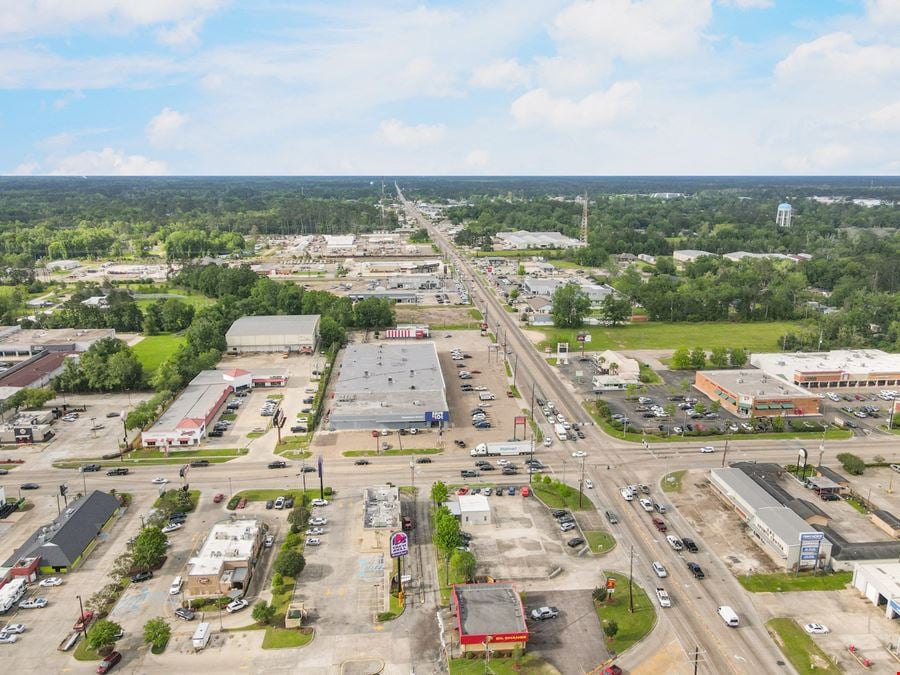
column 81, row 616
column 581, row 484
column 631, row 581
column 515, row 368
column 724, row 453
column 696, row 658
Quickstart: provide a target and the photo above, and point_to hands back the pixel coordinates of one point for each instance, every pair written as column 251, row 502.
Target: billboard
column 437, row 416
column 399, row 544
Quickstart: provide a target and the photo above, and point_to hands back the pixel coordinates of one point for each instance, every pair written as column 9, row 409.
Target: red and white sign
column 399, row 544
column 520, row 420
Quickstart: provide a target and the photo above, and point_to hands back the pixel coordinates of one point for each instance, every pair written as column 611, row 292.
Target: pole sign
column 519, row 420
column 320, row 465
column 399, row 544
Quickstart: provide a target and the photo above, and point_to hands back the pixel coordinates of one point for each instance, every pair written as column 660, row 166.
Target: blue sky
column 605, row 87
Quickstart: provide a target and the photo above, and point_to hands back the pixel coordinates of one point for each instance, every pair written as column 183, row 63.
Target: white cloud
column 395, row 132
column 638, row 30
column 24, row 169
column 182, row 33
column 540, row 108
column 837, row 58
column 478, row 158
column 502, row 74
column 164, row 128
column 105, row 162
column 883, row 11
column 47, row 17
column 884, row 119
column 748, row 4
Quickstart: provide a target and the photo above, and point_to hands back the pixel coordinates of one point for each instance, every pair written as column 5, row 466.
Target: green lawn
column 527, row 665
column 152, row 456
column 295, row 446
column 673, row 485
column 780, row 583
column 286, row 638
column 154, row 349
column 800, row 649
column 392, row 452
column 559, row 496
column 632, row 626
column 83, row 652
column 600, row 541
column 197, row 300
column 755, row 337
column 266, row 495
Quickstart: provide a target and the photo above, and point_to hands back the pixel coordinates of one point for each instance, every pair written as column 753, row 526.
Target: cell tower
column 783, row 215
column 584, row 220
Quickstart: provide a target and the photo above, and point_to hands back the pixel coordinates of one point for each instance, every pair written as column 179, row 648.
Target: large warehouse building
column 389, row 386
column 833, row 370
column 489, row 616
column 278, row 333
column 754, row 392
column 17, row 341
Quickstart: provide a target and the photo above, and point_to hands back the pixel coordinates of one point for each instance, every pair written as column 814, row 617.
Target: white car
column 320, row 502
column 660, row 570
column 313, row 541
column 50, row 581
column 646, row 504
column 816, row 629
column 502, row 462
column 833, row 396
column 589, row 484
column 706, row 449
column 33, row 603
column 318, row 520
column 175, row 588
column 13, row 628
column 7, row 638
column 315, row 530
column 579, row 453
column 270, row 541
column 548, row 442
column 171, row 527
column 236, row 606
column 565, row 527
column 159, row 480
column 627, row 493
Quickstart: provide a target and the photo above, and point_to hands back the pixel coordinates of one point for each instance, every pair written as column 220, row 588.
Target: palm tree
column 613, row 368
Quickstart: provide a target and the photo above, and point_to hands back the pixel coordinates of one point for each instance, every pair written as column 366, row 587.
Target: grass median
column 600, row 541
column 287, row 638
column 782, row 583
column 558, row 495
column 672, row 481
column 393, row 452
column 800, row 649
column 632, row 626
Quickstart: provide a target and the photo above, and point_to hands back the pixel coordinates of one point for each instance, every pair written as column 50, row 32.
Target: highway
column 694, row 619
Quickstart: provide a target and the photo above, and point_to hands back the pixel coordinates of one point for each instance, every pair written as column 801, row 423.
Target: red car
column 525, row 491
column 660, row 525
column 242, row 503
column 475, row 372
column 107, row 664
column 218, row 498
column 463, row 491
column 612, row 670
column 83, row 621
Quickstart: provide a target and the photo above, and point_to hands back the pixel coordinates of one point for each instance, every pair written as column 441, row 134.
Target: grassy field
column 266, row 495
column 560, row 496
column 287, row 638
column 197, row 300
column 781, row 583
column 295, row 446
column 154, row 349
column 632, row 626
column 83, row 652
column 600, row 541
column 755, row 337
column 673, row 485
column 527, row 665
column 151, row 457
column 800, row 649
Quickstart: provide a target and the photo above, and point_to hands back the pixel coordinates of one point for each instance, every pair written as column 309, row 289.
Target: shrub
column 277, row 579
column 328, row 491
column 851, row 463
column 599, row 594
column 232, row 503
column 290, row 563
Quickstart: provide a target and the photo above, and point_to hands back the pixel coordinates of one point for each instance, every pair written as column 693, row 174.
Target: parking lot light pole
column 581, row 484
column 81, row 616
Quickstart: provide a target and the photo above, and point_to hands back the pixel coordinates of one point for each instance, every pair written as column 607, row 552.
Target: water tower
column 783, row 216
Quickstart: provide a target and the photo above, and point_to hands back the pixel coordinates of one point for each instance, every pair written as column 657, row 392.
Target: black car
column 177, row 520
column 460, row 444
column 612, row 517
column 423, row 460
column 361, row 462
column 289, row 503
column 297, row 429
column 112, row 414
column 580, row 434
column 575, row 543
column 690, row 545
column 270, row 504
column 119, row 471
column 488, row 467
column 696, row 570
column 90, row 467
column 184, row 613
column 216, row 434
column 829, row 497
column 277, row 464
column 200, row 462
column 568, row 518
column 308, row 469
column 559, row 513
column 30, row 486
column 309, row 399
column 141, row 576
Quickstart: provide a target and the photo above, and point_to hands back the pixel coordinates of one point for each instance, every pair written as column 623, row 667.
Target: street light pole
column 631, row 581
column 412, row 474
column 581, row 484
column 81, row 616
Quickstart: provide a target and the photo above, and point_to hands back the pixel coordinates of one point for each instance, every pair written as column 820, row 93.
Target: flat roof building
column 224, row 563
column 274, row 333
column 18, row 341
column 831, row 370
column 36, row 371
column 401, row 297
column 542, row 287
column 754, row 392
column 690, row 255
column 489, row 616
column 789, row 540
column 389, row 385
column 62, row 544
column 522, row 239
column 474, row 510
column 381, row 507
column 880, row 583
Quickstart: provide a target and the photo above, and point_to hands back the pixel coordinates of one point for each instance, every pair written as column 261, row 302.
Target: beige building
column 224, row 562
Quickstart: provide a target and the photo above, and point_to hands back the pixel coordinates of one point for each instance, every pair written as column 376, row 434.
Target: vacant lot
column 755, row 337
column 799, row 648
column 154, row 349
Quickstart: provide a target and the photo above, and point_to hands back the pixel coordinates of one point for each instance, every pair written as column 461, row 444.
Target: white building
column 225, row 561
column 618, row 371
column 880, row 583
column 836, row 369
column 474, row 510
column 522, row 239
column 543, row 287
column 63, row 265
column 689, row 255
column 339, row 243
column 277, row 333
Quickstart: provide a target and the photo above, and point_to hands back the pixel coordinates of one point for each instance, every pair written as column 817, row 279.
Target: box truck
column 561, row 432
column 501, row 449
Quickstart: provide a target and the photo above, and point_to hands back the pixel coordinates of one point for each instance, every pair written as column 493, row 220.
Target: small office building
column 224, row 563
column 489, row 617
column 754, row 392
column 474, row 510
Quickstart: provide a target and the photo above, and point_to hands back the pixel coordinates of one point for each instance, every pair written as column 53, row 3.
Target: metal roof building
column 274, row 333
column 389, row 385
column 61, row 544
column 489, row 616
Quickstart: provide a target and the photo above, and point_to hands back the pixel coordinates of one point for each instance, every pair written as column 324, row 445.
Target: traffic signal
column 63, row 490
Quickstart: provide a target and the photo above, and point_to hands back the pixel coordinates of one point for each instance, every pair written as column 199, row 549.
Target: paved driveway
column 573, row 641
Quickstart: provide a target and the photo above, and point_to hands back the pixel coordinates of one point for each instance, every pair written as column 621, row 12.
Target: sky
column 502, row 87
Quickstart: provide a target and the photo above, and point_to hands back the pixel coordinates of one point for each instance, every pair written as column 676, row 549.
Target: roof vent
column 390, row 380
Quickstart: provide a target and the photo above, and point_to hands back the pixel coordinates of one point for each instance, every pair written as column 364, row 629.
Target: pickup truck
column 544, row 613
column 663, row 597
column 83, row 621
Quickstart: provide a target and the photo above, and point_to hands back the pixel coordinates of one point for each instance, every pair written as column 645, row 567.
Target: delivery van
column 729, row 616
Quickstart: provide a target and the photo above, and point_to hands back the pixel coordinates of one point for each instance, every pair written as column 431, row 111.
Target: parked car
column 218, row 498
column 171, row 527
column 575, row 542
column 320, row 502
column 313, row 541
column 50, row 581
column 544, row 613
column 318, row 520
column 33, row 603
column 141, row 576
column 185, row 613
column 269, row 541
column 109, row 662
column 816, row 629
column 236, row 606
column 13, row 628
